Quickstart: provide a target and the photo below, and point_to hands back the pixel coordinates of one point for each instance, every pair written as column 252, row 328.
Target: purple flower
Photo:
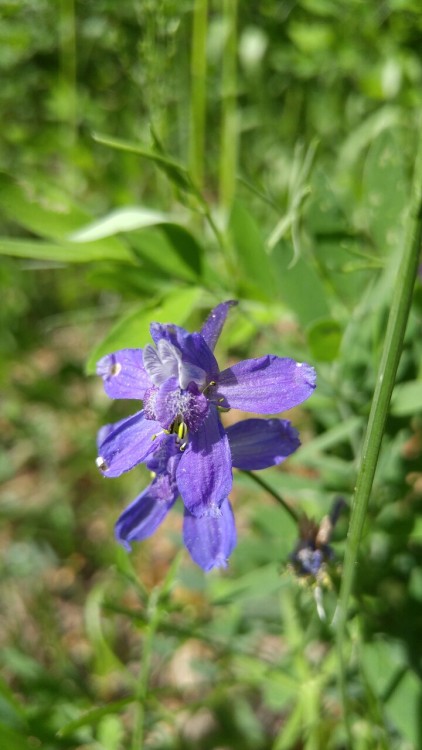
column 180, row 437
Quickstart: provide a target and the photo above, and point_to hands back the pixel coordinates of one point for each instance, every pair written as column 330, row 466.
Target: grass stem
column 198, row 92
column 229, row 128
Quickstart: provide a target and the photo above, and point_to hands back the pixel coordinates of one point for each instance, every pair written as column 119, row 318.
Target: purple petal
column 158, row 372
column 166, row 362
column 204, row 474
column 210, row 539
column 193, row 349
column 127, row 443
column 170, row 332
column 147, row 512
column 123, row 374
column 213, row 325
column 266, row 385
column 165, row 459
column 259, row 443
column 196, row 350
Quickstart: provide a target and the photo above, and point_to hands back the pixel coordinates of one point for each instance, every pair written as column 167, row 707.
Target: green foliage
column 102, row 234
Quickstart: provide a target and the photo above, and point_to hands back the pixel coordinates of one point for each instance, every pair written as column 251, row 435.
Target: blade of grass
column 198, row 92
column 399, row 313
column 229, row 131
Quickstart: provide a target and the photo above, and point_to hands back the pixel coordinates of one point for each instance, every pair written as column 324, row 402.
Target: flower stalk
column 281, row 501
column 398, row 317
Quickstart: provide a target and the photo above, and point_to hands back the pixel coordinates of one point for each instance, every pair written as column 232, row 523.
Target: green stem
column 229, row 129
column 399, row 313
column 198, row 93
column 142, row 688
column 262, row 483
column 221, row 237
column 154, row 613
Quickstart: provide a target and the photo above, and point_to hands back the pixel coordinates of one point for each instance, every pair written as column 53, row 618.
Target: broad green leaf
column 385, row 190
column 403, row 708
column 300, row 287
column 417, row 535
column 13, row 740
column 126, row 279
column 176, row 173
column 336, row 241
column 243, row 324
column 121, row 220
column 324, row 339
column 251, row 252
column 172, row 248
column 407, row 399
column 324, row 211
column 133, row 329
column 381, row 660
column 65, row 252
column 110, row 732
column 348, row 277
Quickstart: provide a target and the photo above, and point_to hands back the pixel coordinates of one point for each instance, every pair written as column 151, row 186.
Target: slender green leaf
column 176, row 173
column 121, row 220
column 256, row 583
column 91, row 718
column 338, row 434
column 65, row 252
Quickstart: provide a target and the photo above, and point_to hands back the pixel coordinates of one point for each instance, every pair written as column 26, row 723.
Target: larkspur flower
column 179, row 436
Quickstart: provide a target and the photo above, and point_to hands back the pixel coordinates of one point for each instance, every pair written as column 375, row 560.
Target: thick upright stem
column 399, row 313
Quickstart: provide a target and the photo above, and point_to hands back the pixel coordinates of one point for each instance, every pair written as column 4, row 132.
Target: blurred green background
column 157, row 158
